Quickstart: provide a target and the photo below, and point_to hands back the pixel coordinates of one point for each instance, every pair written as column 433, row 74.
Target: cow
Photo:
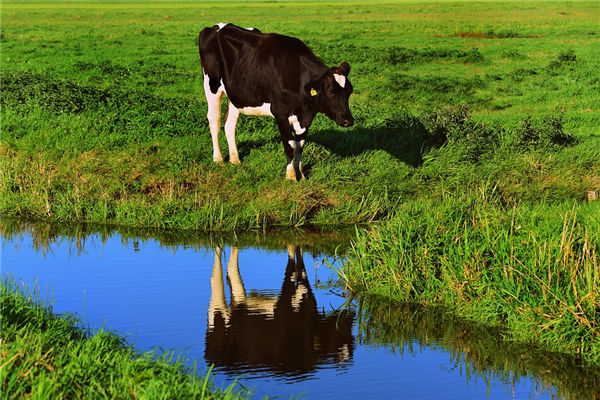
column 269, row 75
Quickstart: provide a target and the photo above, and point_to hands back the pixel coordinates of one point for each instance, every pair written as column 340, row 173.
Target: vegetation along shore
column 475, row 145
column 51, row 356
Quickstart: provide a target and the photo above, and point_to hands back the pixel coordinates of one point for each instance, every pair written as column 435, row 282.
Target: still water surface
column 274, row 316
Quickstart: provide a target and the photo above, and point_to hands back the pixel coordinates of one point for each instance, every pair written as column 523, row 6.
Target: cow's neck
column 305, row 115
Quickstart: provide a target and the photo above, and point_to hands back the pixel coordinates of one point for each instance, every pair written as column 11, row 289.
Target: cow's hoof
column 234, row 159
column 218, row 159
column 290, row 172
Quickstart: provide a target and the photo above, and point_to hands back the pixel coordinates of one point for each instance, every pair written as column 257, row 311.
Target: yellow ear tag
column 313, row 92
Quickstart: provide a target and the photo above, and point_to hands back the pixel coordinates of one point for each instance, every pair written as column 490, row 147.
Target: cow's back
column 254, row 66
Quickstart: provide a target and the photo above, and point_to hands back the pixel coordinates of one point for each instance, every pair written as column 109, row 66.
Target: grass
column 49, row 356
column 534, row 271
column 103, row 115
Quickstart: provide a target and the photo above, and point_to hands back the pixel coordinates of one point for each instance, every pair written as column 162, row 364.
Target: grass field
column 103, row 114
column 475, row 143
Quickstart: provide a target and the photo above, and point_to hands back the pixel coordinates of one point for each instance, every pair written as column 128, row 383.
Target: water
column 266, row 308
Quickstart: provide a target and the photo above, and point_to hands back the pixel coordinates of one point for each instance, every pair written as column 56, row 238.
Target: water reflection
column 283, row 333
column 245, row 303
column 478, row 351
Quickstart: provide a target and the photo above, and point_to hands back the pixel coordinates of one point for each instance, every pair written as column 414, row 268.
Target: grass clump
column 542, row 136
column 533, row 270
column 45, row 355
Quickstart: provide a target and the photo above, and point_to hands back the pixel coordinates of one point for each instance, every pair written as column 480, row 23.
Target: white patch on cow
column 296, row 124
column 249, row 29
column 214, row 114
column 232, row 118
column 261, row 111
column 341, row 79
column 220, row 25
column 289, row 172
column 298, row 296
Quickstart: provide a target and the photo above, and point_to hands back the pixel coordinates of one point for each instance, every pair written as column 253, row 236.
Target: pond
column 266, row 309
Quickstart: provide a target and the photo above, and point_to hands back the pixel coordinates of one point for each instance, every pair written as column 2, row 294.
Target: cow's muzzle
column 346, row 122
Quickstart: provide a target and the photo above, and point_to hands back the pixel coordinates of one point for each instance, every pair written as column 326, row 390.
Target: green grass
column 103, row 114
column 49, row 356
column 534, row 271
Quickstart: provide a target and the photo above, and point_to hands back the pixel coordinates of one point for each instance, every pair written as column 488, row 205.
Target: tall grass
column 50, row 356
column 533, row 270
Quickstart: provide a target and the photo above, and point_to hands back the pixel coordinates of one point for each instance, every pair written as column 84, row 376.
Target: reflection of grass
column 48, row 355
column 103, row 116
column 45, row 234
column 476, row 350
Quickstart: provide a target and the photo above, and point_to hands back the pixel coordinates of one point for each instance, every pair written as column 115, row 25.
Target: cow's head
column 331, row 93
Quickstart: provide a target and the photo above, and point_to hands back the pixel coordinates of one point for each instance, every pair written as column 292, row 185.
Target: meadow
column 103, row 113
column 475, row 145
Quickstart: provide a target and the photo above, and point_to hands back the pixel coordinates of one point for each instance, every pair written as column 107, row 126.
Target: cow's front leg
column 287, row 140
column 298, row 147
column 298, row 144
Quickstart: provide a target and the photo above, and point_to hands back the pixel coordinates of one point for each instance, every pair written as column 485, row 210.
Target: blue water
column 159, row 296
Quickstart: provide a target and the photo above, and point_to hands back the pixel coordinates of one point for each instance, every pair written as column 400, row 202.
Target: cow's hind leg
column 230, row 122
column 213, row 99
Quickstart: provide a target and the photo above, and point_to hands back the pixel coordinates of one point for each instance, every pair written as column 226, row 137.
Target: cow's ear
column 345, row 68
column 313, row 88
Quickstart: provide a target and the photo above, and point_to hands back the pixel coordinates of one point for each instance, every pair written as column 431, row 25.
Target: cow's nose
column 346, row 122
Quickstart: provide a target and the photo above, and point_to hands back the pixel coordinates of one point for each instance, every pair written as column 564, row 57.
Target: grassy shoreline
column 533, row 271
column 45, row 355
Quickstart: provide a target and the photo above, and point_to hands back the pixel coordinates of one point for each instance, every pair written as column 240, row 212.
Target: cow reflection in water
column 284, row 334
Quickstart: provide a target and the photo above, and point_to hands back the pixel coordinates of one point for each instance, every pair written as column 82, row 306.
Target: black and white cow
column 269, row 75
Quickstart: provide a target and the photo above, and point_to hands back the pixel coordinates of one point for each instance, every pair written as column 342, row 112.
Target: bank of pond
column 100, row 312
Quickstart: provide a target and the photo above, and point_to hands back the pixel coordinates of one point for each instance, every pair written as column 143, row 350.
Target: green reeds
column 534, row 271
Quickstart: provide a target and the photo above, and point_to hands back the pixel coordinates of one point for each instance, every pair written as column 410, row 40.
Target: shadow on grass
column 407, row 141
